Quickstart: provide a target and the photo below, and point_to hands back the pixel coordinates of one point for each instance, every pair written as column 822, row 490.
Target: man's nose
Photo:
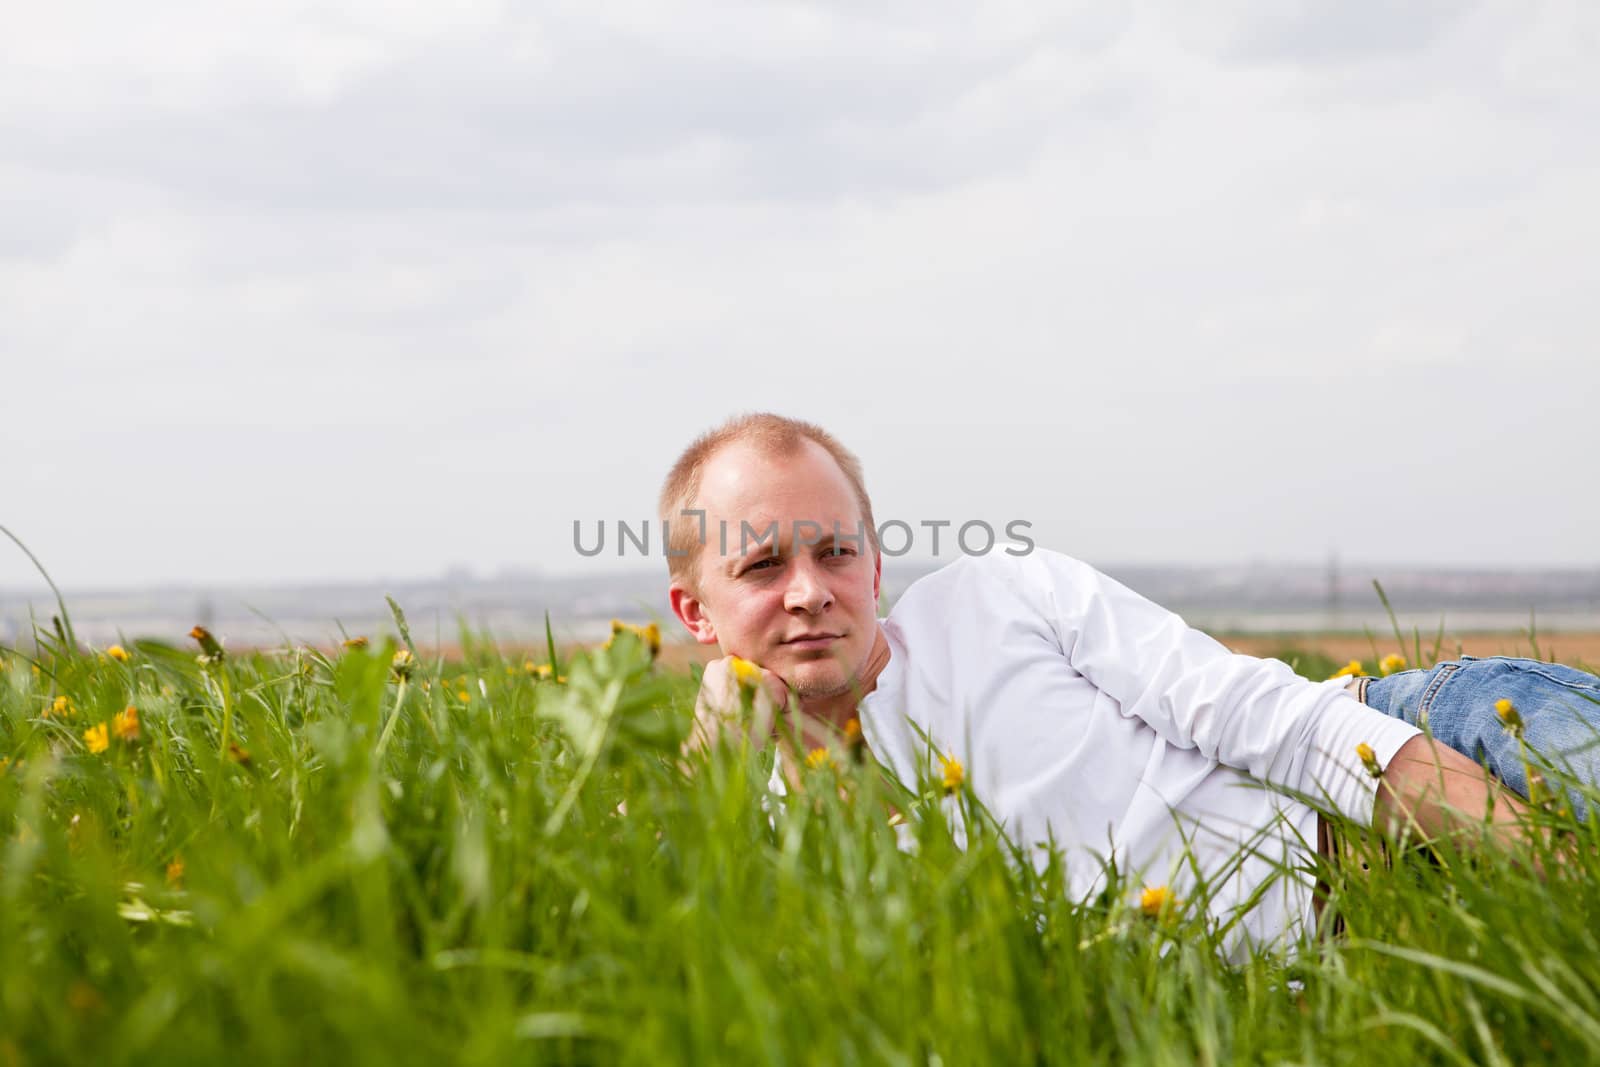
column 807, row 591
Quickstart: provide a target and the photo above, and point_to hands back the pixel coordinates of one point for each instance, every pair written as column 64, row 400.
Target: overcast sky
column 372, row 289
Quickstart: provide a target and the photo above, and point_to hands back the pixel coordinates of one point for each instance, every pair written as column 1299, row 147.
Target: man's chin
column 818, row 681
column 812, row 676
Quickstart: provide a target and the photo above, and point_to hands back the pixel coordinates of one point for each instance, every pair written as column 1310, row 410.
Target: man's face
column 807, row 612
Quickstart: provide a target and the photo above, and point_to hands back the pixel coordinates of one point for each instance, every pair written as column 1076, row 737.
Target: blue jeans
column 1559, row 707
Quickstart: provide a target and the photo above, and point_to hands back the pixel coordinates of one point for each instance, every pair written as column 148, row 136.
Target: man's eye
column 837, row 551
column 764, row 563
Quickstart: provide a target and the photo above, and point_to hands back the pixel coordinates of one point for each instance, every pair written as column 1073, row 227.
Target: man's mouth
column 810, row 642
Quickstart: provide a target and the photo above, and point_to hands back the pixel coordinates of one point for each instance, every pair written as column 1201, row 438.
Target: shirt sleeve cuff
column 1336, row 768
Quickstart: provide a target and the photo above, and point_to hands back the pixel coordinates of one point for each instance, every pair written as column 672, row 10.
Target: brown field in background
column 1575, row 648
column 1578, row 648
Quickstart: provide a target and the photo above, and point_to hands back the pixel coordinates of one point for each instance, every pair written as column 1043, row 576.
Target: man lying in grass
column 1083, row 714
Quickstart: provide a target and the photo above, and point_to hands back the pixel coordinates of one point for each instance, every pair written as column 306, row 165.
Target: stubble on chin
column 827, row 679
column 821, row 689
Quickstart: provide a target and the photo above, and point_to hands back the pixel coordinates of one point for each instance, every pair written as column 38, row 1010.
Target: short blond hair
column 775, row 435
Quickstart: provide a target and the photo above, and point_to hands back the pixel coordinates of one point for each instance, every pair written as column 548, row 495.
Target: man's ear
column 691, row 611
column 877, row 576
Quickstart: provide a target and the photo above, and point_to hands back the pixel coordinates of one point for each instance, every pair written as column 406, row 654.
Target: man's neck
column 837, row 710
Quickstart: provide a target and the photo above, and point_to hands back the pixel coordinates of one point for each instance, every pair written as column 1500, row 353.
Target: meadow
column 373, row 855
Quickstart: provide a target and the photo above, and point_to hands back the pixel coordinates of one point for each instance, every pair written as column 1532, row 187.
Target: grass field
column 302, row 856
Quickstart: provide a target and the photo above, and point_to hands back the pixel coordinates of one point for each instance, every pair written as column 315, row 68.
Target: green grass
column 388, row 873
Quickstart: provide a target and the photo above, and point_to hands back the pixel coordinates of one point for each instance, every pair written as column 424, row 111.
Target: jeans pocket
column 1442, row 674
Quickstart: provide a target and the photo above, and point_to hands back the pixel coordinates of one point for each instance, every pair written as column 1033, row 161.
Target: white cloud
column 364, row 288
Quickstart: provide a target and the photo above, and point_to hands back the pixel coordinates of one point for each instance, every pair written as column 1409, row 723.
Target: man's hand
column 728, row 688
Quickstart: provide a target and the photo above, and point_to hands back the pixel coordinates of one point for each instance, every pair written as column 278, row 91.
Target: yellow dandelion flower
column 238, row 755
column 649, row 636
column 1349, row 670
column 210, row 647
column 464, row 696
column 1391, row 663
column 403, row 663
column 855, row 743
column 97, row 740
column 745, row 672
column 125, row 723
column 1369, row 759
column 118, row 653
column 817, row 758
column 1510, row 718
column 1156, row 899
column 954, row 774
column 356, row 642
column 175, row 871
column 61, row 707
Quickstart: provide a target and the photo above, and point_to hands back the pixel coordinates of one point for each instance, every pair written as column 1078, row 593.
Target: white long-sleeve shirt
column 1081, row 710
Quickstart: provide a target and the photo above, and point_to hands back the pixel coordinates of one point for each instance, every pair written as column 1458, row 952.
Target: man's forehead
column 743, row 478
column 739, row 465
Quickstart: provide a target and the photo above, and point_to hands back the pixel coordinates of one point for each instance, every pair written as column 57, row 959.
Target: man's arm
column 1251, row 714
column 1435, row 790
column 1258, row 716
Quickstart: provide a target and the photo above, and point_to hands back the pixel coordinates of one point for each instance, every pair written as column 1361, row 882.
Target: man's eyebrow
column 755, row 550
column 754, row 546
column 828, row 540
